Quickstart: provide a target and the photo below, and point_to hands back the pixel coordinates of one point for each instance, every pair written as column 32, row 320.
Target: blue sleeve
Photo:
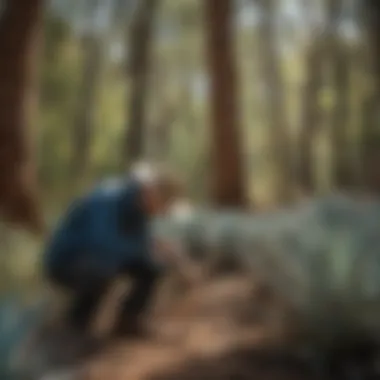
column 134, row 223
column 132, row 216
column 137, row 244
column 127, row 236
column 68, row 236
column 73, row 224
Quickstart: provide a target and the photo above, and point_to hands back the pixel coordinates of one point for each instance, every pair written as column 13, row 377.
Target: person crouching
column 105, row 234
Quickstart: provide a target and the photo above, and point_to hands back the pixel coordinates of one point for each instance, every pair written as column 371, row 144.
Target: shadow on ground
column 224, row 329
column 242, row 364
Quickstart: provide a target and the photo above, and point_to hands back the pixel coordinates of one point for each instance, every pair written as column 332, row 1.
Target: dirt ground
column 224, row 328
column 213, row 332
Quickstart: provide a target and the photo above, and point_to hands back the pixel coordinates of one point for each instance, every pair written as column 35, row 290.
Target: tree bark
column 310, row 118
column 342, row 169
column 373, row 25
column 338, row 59
column 371, row 106
column 20, row 32
column 228, row 188
column 139, row 49
column 276, row 108
column 84, row 123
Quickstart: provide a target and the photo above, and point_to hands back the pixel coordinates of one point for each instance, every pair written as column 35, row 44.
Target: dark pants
column 89, row 288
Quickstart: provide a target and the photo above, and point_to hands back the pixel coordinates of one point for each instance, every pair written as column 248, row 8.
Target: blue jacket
column 108, row 226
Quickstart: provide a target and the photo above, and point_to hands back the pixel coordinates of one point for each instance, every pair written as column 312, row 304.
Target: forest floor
column 213, row 332
column 224, row 328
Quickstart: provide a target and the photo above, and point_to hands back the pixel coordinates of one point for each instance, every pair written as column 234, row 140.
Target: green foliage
column 110, row 125
column 60, row 78
column 178, row 62
column 178, row 67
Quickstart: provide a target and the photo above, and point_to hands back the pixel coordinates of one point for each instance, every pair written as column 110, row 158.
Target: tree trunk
column 373, row 25
column 20, row 32
column 138, row 49
column 371, row 105
column 275, row 98
column 338, row 61
column 342, row 166
column 310, row 118
column 84, row 123
column 228, row 188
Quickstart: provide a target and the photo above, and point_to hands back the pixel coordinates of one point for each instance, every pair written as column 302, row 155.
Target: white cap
column 144, row 172
column 156, row 175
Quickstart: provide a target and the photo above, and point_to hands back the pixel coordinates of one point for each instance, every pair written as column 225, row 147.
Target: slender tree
column 371, row 9
column 310, row 111
column 228, row 188
column 310, row 117
column 276, row 108
column 84, row 122
column 138, row 56
column 20, row 32
column 371, row 105
column 339, row 64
